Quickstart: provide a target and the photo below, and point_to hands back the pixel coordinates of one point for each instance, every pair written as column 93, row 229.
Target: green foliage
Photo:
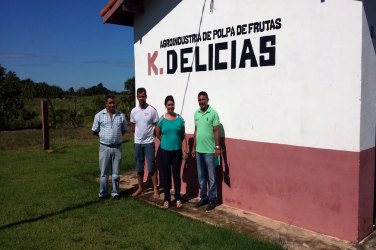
column 94, row 90
column 2, row 73
column 42, row 90
column 72, row 111
column 11, row 102
column 127, row 100
column 98, row 103
column 75, row 116
column 20, row 103
column 129, row 86
column 14, row 93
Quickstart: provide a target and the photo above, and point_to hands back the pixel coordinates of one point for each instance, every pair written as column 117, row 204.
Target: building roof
column 121, row 12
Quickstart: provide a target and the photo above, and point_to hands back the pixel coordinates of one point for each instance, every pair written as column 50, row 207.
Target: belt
column 111, row 145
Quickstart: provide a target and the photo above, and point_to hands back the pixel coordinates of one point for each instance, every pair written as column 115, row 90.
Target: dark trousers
column 171, row 160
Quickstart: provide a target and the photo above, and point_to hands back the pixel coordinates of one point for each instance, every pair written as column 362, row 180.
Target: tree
column 55, row 92
column 41, row 89
column 28, row 89
column 70, row 91
column 127, row 101
column 99, row 89
column 11, row 102
column 81, row 91
column 129, row 86
column 2, row 73
column 75, row 116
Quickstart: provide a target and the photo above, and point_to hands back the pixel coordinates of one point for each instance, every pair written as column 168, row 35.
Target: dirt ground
column 291, row 237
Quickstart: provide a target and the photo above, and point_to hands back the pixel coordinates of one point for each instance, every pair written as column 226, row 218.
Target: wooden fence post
column 45, row 127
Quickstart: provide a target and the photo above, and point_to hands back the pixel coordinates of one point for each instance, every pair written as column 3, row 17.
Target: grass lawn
column 49, row 201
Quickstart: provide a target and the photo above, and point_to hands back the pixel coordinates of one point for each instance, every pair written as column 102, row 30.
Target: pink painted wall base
column 317, row 189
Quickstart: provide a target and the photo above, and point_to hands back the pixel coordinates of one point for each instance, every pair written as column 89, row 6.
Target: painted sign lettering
column 222, row 55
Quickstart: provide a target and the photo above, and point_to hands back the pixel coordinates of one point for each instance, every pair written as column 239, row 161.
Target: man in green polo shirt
column 206, row 148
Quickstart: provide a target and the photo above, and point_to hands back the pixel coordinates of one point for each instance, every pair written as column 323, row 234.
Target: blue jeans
column 140, row 152
column 206, row 172
column 109, row 161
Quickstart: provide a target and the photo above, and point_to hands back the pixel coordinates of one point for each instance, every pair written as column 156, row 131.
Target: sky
column 65, row 43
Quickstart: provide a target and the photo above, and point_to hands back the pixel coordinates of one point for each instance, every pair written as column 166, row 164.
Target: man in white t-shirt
column 144, row 118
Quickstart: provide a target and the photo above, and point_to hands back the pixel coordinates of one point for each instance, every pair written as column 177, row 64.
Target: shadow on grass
column 46, row 216
column 125, row 141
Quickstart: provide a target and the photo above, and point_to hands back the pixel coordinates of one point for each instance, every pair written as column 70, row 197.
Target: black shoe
column 202, row 203
column 101, row 198
column 116, row 197
column 211, row 206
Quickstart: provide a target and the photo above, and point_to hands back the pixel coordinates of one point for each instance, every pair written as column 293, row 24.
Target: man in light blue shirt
column 109, row 125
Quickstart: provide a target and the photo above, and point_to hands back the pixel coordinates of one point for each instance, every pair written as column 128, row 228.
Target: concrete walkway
column 292, row 237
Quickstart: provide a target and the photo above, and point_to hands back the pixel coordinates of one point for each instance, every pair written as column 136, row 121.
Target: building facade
column 294, row 83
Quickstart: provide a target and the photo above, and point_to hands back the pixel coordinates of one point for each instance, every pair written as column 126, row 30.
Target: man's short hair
column 141, row 90
column 203, row 93
column 109, row 96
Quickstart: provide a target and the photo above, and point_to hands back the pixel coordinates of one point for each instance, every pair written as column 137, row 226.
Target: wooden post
column 45, row 127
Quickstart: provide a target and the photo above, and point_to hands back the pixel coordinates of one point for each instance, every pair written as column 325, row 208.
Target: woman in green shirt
column 171, row 133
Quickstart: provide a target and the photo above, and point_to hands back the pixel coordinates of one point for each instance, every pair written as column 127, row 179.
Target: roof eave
column 123, row 12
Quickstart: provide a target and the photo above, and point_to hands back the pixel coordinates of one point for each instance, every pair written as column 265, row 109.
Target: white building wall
column 312, row 95
column 368, row 113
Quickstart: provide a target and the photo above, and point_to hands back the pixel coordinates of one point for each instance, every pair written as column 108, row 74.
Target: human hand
column 185, row 155
column 193, row 153
column 218, row 151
